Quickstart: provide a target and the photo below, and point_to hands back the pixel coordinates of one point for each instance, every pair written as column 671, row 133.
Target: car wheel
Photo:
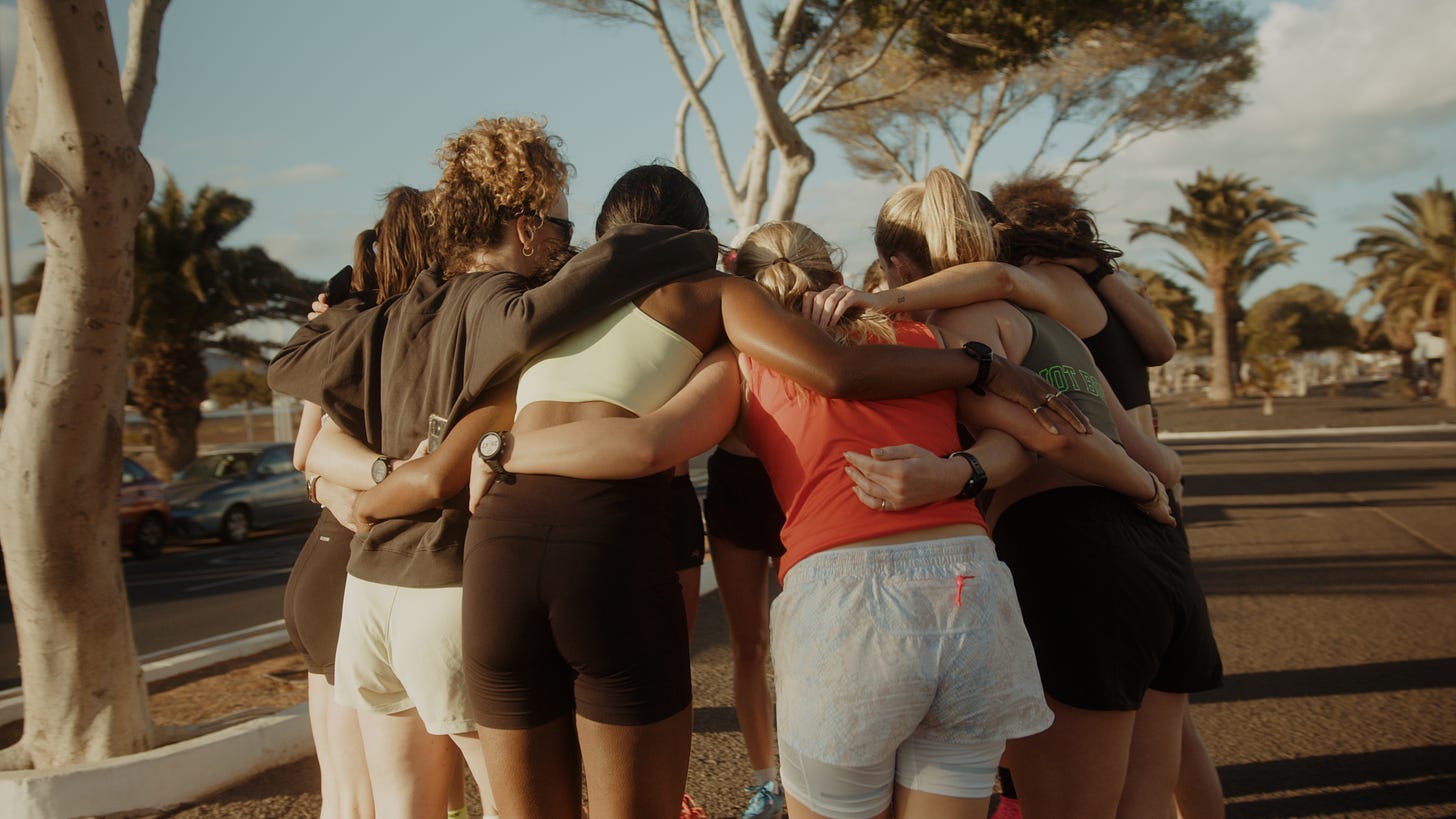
column 151, row 534
column 235, row 524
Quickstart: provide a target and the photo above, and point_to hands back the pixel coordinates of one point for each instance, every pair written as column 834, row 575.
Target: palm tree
column 189, row 292
column 1414, row 266
column 1229, row 230
column 1175, row 305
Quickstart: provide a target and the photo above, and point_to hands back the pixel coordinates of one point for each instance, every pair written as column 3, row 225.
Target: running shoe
column 1004, row 808
column 691, row 810
column 766, row 802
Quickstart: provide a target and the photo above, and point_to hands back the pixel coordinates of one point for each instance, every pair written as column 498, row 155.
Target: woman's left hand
column 482, row 478
column 895, row 478
column 826, row 307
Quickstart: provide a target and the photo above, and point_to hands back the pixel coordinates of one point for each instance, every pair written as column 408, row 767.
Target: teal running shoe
column 766, row 802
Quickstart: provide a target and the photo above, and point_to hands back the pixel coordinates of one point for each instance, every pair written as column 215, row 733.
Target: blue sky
column 314, row 109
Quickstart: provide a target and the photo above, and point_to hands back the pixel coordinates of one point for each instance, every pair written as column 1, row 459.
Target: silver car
column 231, row 491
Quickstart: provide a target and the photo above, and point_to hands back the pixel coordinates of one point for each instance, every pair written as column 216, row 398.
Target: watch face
column 381, row 469
column 490, row 445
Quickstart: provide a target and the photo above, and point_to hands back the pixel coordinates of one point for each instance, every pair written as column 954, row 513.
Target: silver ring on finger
column 1036, row 409
column 883, row 504
column 1050, row 397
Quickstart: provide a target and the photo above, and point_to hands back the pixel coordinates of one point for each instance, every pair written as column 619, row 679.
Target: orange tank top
column 801, row 436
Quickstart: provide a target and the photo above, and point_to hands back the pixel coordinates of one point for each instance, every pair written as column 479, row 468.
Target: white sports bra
column 628, row 359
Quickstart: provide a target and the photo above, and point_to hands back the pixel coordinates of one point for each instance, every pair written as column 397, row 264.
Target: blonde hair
column 789, row 260
column 491, row 173
column 934, row 224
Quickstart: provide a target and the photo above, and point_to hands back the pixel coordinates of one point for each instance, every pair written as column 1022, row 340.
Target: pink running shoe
column 1004, row 808
column 691, row 810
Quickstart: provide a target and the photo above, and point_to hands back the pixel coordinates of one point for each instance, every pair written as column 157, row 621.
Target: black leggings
column 314, row 596
column 1109, row 597
column 572, row 601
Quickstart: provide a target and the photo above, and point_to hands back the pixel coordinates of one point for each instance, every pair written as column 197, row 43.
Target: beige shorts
column 399, row 648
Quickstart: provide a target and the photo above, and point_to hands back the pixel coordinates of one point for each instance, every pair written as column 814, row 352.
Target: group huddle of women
column 505, row 573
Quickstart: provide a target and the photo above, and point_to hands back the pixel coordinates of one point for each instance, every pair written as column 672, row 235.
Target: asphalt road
column 195, row 590
column 1330, row 567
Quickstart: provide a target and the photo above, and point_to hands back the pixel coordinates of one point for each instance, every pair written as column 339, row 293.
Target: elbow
column 1004, row 283
column 1160, row 352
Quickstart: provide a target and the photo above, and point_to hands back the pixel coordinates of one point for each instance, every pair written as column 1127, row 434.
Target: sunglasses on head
column 566, row 225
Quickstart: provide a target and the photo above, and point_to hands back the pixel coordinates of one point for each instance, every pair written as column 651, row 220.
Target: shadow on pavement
column 1377, row 575
column 1405, row 675
column 1400, row 778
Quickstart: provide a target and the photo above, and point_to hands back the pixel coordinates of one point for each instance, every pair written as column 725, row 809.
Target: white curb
column 174, row 774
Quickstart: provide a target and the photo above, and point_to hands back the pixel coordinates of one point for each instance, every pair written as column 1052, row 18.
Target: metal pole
column 5, row 302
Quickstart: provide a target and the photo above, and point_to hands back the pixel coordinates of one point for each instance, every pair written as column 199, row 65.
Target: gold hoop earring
column 527, row 250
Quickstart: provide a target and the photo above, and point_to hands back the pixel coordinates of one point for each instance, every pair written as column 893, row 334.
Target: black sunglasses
column 565, row 224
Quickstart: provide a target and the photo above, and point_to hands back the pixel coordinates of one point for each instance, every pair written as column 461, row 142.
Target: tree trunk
column 174, row 437
column 1220, row 390
column 168, row 383
column 60, row 449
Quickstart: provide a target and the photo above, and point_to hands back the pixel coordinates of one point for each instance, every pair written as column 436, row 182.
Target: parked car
column 229, row 492
column 145, row 514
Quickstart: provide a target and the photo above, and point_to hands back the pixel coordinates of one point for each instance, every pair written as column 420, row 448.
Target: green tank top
column 1057, row 355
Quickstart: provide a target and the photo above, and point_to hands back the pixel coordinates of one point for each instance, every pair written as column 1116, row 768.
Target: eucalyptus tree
column 60, row 447
column 1413, row 266
column 1229, row 226
column 1092, row 94
column 826, row 56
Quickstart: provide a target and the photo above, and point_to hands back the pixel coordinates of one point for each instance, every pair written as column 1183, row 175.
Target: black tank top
column 1121, row 361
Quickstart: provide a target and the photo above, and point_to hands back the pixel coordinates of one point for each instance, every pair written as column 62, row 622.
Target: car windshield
column 219, row 465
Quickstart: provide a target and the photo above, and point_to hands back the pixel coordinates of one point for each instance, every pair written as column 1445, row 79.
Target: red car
column 146, row 516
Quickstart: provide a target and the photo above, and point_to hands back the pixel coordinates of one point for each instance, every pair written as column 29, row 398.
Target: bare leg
column 743, row 587
column 690, row 579
column 1152, row 767
column 1199, row 792
column 636, row 771
column 410, row 767
column 343, row 771
column 535, row 772
column 1074, row 768
column 474, row 756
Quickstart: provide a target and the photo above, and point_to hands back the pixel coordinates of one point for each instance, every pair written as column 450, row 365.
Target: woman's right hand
column 826, row 307
column 1022, row 386
column 1157, row 507
column 319, row 306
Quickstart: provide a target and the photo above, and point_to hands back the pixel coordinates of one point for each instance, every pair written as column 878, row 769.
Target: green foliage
column 1229, row 226
column 237, row 385
column 994, row 34
column 189, row 292
column 1413, row 270
column 1176, row 305
column 1299, row 318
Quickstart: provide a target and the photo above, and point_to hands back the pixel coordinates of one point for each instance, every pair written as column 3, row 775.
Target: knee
column 751, row 650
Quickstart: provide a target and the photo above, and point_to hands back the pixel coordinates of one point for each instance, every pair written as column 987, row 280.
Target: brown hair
column 405, row 246
column 364, row 277
column 491, row 173
column 934, row 224
column 789, row 260
column 1044, row 217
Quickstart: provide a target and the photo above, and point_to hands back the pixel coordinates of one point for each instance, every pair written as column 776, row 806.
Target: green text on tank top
column 1057, row 355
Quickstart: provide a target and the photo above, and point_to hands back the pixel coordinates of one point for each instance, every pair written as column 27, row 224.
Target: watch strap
column 978, row 479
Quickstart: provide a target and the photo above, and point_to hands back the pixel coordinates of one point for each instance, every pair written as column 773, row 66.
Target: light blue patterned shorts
column 879, row 645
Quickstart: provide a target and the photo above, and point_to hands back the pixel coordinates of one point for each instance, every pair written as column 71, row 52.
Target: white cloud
column 1352, row 102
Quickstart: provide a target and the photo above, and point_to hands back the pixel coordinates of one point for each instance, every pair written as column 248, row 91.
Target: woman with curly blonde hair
column 415, row 366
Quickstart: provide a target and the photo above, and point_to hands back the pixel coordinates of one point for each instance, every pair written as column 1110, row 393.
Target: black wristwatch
column 1101, row 271
column 983, row 355
column 492, row 448
column 381, row 469
column 978, row 478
